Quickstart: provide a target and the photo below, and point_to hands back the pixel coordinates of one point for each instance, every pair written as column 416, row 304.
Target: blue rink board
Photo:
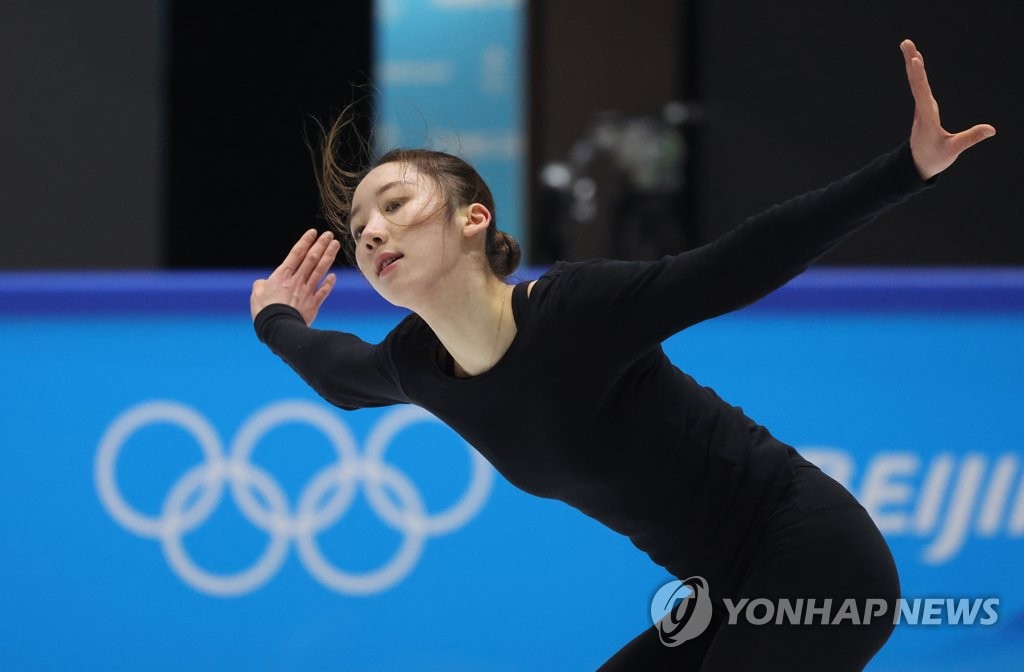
column 891, row 380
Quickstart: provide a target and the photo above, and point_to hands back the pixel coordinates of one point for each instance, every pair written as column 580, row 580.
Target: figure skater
column 562, row 384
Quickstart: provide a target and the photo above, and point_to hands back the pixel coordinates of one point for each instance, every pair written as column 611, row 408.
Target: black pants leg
column 819, row 543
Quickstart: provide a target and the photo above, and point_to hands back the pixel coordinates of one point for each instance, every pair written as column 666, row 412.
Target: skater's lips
column 385, row 258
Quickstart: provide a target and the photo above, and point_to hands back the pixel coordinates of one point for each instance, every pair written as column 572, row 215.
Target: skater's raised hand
column 934, row 149
column 302, row 281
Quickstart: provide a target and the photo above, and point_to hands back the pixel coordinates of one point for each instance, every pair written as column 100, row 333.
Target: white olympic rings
column 197, row 493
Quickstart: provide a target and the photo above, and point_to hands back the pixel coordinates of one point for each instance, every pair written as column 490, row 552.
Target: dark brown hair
column 459, row 183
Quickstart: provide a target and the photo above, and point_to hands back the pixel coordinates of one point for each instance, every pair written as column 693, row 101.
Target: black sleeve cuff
column 910, row 178
column 269, row 314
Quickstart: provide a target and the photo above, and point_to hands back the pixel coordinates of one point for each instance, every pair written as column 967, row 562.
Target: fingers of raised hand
column 966, row 139
column 323, row 264
column 295, row 256
column 924, row 101
column 317, row 260
column 324, row 290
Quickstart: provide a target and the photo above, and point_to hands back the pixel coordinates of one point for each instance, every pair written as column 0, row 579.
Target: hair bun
column 504, row 255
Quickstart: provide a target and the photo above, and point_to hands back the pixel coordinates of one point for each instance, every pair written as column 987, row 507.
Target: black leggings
column 819, row 543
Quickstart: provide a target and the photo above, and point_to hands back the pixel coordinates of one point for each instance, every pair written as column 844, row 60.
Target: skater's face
column 407, row 237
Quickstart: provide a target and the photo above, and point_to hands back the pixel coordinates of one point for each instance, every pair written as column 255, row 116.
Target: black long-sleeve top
column 585, row 407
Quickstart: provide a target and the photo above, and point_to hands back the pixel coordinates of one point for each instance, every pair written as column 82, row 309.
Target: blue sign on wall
column 174, row 497
column 448, row 75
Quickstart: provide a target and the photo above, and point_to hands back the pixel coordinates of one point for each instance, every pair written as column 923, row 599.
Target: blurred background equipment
column 621, row 191
column 603, row 93
column 792, row 96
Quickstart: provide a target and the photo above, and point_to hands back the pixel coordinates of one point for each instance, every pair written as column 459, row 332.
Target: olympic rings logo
column 197, row 493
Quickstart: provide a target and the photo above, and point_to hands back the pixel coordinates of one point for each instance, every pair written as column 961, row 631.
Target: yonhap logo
column 681, row 610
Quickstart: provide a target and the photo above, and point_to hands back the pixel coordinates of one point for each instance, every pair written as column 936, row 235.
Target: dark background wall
column 795, row 94
column 245, row 86
column 164, row 133
column 801, row 92
column 80, row 127
column 160, row 133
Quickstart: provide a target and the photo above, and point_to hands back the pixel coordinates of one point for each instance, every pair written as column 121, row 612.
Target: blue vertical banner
column 448, row 75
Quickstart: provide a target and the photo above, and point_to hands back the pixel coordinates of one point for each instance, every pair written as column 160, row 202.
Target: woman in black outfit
column 562, row 384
